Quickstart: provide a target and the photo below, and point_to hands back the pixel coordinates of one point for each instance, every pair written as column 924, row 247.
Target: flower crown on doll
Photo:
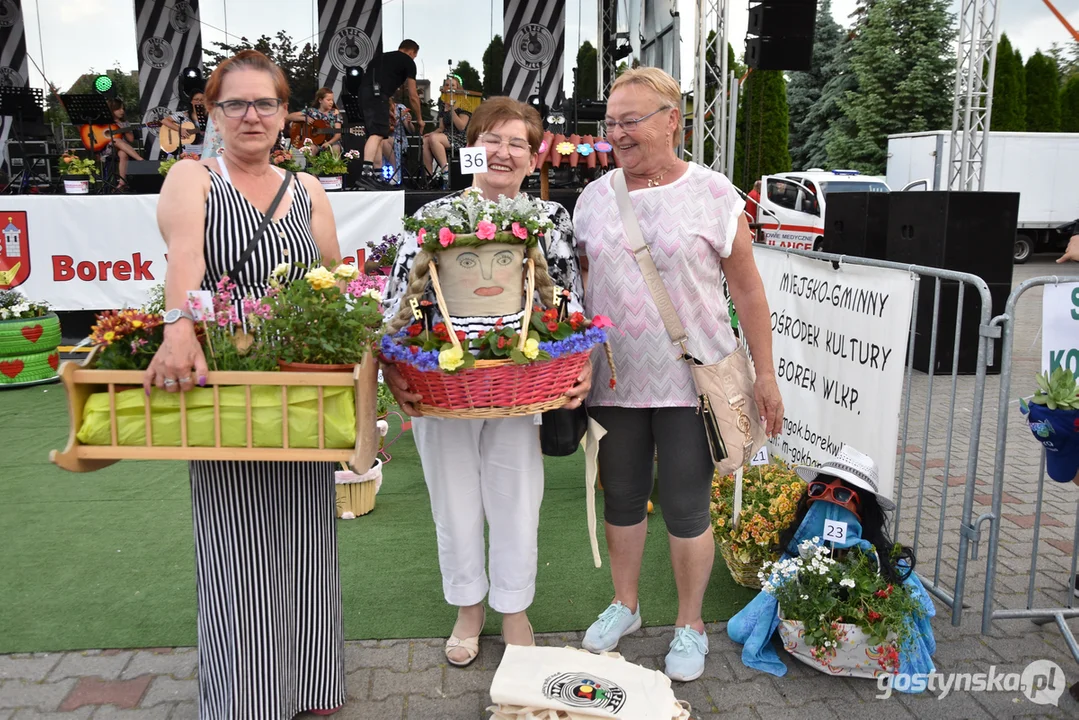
column 469, row 220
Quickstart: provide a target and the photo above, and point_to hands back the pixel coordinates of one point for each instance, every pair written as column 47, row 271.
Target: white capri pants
column 478, row 469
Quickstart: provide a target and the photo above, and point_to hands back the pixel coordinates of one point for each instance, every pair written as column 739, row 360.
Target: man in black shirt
column 385, row 74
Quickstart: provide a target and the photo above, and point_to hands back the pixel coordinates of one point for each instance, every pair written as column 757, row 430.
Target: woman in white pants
column 488, row 469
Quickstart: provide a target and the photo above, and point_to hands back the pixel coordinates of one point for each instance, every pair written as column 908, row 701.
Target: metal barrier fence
column 1038, row 614
column 956, row 535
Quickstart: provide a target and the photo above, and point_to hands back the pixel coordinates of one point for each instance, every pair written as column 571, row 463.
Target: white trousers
column 478, row 469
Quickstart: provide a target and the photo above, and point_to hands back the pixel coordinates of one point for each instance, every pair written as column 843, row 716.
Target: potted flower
column 769, row 500
column 838, row 614
column 523, row 366
column 382, row 255
column 328, row 164
column 285, row 161
column 1053, row 417
column 77, row 173
column 315, row 325
column 167, row 164
column 29, row 336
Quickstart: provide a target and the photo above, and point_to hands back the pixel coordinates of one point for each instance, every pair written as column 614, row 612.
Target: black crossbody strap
column 250, row 249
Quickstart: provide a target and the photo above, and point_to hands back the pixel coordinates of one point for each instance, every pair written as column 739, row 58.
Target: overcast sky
column 77, row 36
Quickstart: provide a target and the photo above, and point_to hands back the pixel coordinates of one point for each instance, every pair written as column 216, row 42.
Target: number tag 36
column 473, row 160
column 835, row 531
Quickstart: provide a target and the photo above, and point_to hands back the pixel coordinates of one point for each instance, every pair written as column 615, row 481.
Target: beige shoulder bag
column 725, row 398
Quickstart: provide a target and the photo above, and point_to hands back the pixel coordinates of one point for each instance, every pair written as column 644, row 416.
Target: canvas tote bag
column 725, row 398
column 551, row 683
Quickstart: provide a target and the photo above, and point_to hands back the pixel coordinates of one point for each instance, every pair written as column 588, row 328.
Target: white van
column 791, row 210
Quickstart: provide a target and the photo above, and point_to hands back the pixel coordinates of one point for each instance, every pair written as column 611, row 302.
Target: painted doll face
column 484, row 280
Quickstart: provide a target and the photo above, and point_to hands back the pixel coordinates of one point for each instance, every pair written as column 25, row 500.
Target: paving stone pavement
column 404, row 679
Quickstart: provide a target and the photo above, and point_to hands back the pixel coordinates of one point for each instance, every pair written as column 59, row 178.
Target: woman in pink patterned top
column 693, row 224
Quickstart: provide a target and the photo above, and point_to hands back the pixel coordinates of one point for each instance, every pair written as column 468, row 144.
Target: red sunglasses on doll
column 834, row 492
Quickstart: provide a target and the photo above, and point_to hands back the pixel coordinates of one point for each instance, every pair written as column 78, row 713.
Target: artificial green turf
column 105, row 559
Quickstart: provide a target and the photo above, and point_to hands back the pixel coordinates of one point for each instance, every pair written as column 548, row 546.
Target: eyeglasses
column 517, row 147
column 238, row 108
column 836, row 492
column 631, row 124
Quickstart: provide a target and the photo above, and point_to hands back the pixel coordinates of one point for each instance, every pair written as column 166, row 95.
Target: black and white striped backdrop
column 13, row 67
column 535, row 37
column 170, row 38
column 350, row 35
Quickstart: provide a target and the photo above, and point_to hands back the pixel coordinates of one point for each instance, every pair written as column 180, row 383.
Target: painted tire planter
column 331, row 182
column 29, row 335
column 29, row 369
column 76, row 184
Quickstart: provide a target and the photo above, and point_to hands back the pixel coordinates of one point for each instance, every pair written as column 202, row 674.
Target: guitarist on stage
column 324, row 113
column 189, row 141
column 121, row 145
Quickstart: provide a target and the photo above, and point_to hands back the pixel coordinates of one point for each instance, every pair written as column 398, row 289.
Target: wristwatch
column 176, row 314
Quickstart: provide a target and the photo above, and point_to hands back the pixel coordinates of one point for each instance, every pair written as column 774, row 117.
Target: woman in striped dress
column 270, row 639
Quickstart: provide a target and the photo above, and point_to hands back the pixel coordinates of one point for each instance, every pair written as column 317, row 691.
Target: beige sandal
column 470, row 645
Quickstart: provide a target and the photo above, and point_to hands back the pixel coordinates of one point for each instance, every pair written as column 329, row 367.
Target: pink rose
column 486, row 230
column 446, row 237
column 420, row 234
column 602, row 321
column 520, row 232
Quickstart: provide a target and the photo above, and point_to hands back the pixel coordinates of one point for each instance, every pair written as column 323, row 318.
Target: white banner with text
column 1060, row 327
column 105, row 252
column 839, row 341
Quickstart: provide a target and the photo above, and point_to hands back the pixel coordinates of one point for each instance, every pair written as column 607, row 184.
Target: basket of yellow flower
column 248, row 409
column 769, row 498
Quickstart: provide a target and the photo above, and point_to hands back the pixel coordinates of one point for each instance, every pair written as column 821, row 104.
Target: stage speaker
column 967, row 345
column 143, row 177
column 780, row 34
column 971, row 232
column 779, row 18
column 857, row 224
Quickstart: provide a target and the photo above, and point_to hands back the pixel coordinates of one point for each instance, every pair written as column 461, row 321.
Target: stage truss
column 713, row 119
column 973, row 104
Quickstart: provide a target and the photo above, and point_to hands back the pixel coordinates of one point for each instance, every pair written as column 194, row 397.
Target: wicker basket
column 356, row 493
column 745, row 574
column 494, row 388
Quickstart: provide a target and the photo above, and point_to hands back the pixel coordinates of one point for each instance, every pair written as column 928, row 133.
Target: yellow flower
column 136, row 323
column 531, row 350
column 451, row 359
column 110, row 336
column 281, row 270
column 346, row 272
column 320, row 278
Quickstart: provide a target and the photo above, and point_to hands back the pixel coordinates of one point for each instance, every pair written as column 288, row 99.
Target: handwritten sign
column 839, row 340
column 473, row 160
column 835, row 531
column 1060, row 327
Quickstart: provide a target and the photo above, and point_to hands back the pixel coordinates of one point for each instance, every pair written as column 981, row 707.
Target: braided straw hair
column 417, row 285
column 419, row 277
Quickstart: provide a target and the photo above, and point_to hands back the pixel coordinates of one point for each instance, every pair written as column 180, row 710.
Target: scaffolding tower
column 712, row 116
column 973, row 105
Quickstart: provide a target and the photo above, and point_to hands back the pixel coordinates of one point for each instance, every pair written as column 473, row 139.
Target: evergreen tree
column 126, row 85
column 299, row 65
column 761, row 145
column 1069, row 105
column 1043, row 94
column 1009, row 89
column 904, row 62
column 586, row 80
column 806, row 89
column 470, row 76
column 493, row 58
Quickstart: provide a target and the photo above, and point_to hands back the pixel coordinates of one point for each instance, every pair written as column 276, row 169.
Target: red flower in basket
column 552, row 326
column 884, row 593
column 873, row 616
column 415, row 329
column 550, row 316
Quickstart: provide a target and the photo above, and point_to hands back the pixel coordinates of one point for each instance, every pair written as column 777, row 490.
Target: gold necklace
column 657, row 179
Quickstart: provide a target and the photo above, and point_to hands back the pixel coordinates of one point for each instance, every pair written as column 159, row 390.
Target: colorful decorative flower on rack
column 584, row 149
column 565, row 148
column 543, row 147
column 603, row 146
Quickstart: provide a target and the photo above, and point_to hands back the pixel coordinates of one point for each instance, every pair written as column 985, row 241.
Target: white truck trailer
column 1042, row 167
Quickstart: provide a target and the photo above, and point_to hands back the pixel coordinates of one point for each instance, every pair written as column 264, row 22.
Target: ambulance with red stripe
column 791, row 210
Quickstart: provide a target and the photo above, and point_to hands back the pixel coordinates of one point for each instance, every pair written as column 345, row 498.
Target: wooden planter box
column 81, row 381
